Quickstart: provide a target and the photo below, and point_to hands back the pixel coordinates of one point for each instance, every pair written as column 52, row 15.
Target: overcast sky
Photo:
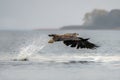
column 36, row 14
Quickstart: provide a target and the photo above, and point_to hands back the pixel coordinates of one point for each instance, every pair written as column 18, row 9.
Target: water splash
column 34, row 47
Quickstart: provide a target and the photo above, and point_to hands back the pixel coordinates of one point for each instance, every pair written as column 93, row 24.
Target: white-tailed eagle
column 72, row 40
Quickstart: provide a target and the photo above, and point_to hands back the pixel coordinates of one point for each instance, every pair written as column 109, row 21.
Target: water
column 57, row 61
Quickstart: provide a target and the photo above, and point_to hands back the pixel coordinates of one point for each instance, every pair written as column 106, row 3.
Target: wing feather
column 80, row 43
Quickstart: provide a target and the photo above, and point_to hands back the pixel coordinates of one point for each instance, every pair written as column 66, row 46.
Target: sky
column 46, row 14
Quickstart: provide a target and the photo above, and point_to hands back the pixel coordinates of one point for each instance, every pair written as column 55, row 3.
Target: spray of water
column 34, row 46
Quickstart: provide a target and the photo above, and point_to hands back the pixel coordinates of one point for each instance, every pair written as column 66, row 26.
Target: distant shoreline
column 83, row 27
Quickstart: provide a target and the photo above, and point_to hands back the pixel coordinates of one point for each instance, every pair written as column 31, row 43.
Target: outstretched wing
column 80, row 43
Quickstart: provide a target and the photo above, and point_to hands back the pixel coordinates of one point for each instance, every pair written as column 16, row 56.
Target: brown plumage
column 71, row 39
